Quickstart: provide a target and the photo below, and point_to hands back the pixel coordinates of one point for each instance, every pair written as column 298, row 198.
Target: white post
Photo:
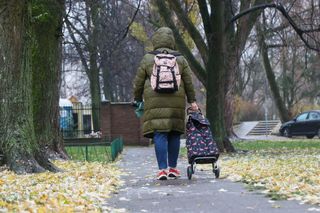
column 266, row 117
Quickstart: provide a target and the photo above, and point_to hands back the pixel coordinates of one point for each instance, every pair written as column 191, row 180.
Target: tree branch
column 196, row 67
column 205, row 17
column 69, row 10
column 279, row 28
column 283, row 11
column 276, row 45
column 72, row 27
column 78, row 48
column 252, row 9
column 79, row 21
column 246, row 24
column 131, row 21
column 192, row 30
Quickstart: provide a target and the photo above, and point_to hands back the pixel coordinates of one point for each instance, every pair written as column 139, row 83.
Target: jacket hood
column 163, row 38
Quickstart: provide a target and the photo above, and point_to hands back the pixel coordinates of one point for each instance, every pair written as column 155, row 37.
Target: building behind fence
column 116, row 120
column 76, row 120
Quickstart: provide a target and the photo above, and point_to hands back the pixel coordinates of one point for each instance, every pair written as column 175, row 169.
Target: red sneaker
column 174, row 173
column 162, row 175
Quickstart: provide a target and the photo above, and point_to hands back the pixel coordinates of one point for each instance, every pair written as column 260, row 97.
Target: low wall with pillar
column 119, row 119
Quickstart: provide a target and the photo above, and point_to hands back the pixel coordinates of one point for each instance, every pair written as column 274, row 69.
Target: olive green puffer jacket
column 163, row 112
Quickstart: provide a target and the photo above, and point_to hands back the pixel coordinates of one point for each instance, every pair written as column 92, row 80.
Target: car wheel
column 309, row 136
column 287, row 133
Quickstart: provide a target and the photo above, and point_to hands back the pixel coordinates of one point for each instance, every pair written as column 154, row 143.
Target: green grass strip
column 93, row 153
column 292, row 144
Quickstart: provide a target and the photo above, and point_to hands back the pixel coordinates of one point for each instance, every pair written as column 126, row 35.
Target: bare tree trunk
column 95, row 97
column 17, row 136
column 283, row 112
column 229, row 88
column 95, row 89
column 217, row 78
column 46, row 69
column 232, row 56
column 107, row 87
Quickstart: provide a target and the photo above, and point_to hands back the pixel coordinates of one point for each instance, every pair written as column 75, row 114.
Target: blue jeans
column 167, row 147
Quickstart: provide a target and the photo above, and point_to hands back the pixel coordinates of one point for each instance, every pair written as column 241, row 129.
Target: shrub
column 301, row 107
column 247, row 111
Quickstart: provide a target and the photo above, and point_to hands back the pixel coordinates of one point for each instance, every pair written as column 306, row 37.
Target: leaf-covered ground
column 288, row 173
column 82, row 187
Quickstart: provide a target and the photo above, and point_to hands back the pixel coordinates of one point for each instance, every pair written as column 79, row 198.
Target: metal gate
column 79, row 121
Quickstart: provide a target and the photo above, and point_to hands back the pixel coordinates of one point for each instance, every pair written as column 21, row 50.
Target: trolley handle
column 190, row 110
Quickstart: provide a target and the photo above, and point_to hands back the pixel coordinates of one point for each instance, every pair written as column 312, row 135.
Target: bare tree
column 83, row 30
column 120, row 53
column 220, row 49
column 310, row 36
column 117, row 53
column 284, row 39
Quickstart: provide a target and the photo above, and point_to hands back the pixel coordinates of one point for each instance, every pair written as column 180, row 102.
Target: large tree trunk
column 216, row 85
column 288, row 91
column 232, row 56
column 95, row 88
column 17, row 136
column 107, row 87
column 95, row 98
column 46, row 69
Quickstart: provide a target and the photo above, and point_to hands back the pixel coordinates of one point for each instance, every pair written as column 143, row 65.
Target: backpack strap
column 155, row 52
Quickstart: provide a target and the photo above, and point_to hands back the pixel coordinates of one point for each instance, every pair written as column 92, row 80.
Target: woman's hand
column 194, row 106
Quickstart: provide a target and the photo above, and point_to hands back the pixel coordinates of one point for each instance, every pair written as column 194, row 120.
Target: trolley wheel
column 189, row 172
column 216, row 172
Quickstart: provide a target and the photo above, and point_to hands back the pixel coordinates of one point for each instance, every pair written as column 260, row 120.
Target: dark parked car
column 306, row 123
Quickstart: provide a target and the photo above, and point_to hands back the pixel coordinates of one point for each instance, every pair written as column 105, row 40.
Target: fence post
column 121, row 144
column 113, row 151
column 116, row 148
column 87, row 153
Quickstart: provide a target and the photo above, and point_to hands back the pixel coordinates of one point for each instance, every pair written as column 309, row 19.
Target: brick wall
column 119, row 119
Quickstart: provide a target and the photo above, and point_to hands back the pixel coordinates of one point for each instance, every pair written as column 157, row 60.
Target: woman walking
column 164, row 112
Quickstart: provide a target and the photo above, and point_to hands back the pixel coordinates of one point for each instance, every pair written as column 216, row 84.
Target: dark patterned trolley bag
column 200, row 142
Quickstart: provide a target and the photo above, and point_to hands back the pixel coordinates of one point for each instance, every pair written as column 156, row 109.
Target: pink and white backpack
column 165, row 76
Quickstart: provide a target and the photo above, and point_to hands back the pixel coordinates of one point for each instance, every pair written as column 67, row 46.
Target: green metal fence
column 78, row 121
column 116, row 148
column 93, row 149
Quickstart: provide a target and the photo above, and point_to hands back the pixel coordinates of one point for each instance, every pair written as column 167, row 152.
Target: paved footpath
column 142, row 193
